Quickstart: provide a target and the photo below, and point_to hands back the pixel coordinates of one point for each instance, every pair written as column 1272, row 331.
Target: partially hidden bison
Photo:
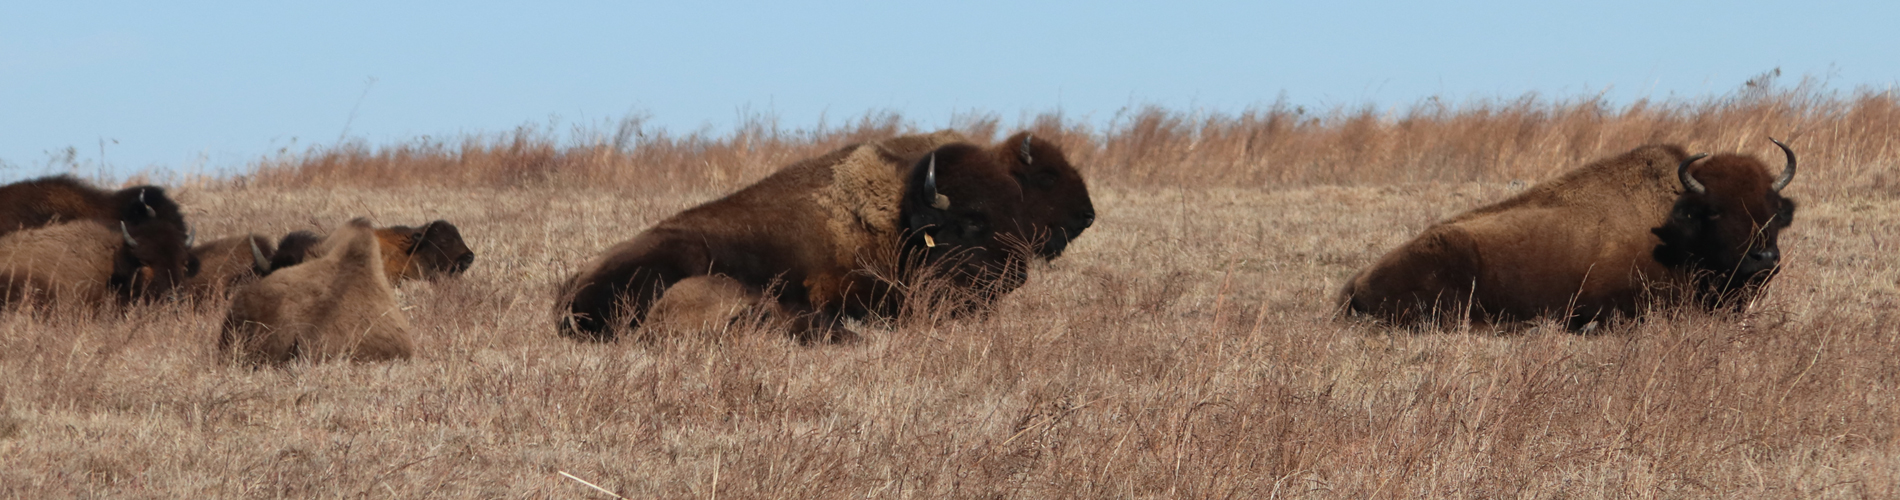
column 151, row 254
column 847, row 235
column 1651, row 227
column 224, row 264
column 336, row 305
column 432, row 251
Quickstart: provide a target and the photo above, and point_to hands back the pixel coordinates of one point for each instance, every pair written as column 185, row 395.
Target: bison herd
column 873, row 230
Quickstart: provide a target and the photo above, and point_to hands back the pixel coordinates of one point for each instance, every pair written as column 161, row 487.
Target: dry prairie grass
column 1183, row 348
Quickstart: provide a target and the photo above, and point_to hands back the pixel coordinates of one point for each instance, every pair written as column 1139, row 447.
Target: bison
column 432, row 251
column 844, row 235
column 156, row 254
column 338, row 304
column 226, row 263
column 76, row 261
column 1650, row 227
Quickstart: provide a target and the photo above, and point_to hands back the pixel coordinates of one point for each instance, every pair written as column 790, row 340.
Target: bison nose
column 1088, row 219
column 1765, row 255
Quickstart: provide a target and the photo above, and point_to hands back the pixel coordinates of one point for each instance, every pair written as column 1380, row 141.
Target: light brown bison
column 710, row 304
column 338, row 304
column 827, row 236
column 156, row 254
column 225, row 264
column 68, row 262
column 432, row 251
column 1650, row 227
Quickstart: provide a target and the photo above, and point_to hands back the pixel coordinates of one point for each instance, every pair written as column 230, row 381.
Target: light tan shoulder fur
column 861, row 202
column 336, row 305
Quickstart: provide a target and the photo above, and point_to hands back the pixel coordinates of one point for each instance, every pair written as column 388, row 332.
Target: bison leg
column 622, row 288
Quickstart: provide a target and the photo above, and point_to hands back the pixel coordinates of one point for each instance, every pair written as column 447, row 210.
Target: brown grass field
column 1185, row 347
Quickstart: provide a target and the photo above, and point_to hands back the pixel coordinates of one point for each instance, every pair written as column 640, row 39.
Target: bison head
column 1727, row 223
column 434, row 250
column 961, row 214
column 293, row 249
column 156, row 256
column 1056, row 206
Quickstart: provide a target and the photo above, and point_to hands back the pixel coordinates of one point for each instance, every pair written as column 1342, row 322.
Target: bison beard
column 831, row 236
column 1652, row 227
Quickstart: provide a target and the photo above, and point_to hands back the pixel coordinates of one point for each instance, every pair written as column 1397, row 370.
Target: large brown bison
column 156, row 253
column 68, row 262
column 837, row 236
column 432, row 251
column 1650, row 227
column 338, row 304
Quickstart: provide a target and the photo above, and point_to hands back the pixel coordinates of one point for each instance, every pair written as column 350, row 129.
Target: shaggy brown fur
column 159, row 261
column 227, row 263
column 432, row 251
column 1586, row 245
column 336, row 305
column 62, row 262
column 827, row 233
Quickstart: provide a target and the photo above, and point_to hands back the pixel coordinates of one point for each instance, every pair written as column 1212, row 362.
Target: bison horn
column 1027, row 159
column 148, row 207
column 257, row 255
column 937, row 201
column 191, row 235
column 1688, row 181
column 129, row 242
column 1787, row 173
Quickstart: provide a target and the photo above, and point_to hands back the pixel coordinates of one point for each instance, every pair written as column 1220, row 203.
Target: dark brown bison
column 1650, row 227
column 432, row 251
column 837, row 236
column 156, row 254
column 338, row 304
column 226, row 263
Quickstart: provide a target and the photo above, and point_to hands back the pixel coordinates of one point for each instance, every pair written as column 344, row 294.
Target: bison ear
column 421, row 235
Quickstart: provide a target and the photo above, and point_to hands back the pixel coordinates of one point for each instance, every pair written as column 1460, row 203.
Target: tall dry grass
column 1851, row 138
column 1185, row 347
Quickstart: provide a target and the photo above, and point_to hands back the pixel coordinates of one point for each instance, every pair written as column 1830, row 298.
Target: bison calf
column 338, row 304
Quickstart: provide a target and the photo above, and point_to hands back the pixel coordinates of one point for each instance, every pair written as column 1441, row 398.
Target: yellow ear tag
column 929, row 242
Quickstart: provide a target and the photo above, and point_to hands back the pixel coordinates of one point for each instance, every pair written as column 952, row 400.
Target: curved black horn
column 129, row 242
column 1688, row 181
column 1027, row 158
column 931, row 196
column 1787, row 173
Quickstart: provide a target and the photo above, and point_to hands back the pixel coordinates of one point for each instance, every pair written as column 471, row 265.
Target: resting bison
column 844, row 234
column 156, row 254
column 226, row 263
column 337, row 304
column 432, row 251
column 1649, row 227
column 72, row 262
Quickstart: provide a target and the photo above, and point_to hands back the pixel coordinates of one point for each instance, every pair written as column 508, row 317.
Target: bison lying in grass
column 1650, row 227
column 845, row 234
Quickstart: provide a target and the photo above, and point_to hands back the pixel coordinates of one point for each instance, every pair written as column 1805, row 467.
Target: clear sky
column 192, row 86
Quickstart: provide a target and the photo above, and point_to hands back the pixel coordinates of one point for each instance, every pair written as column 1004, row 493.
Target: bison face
column 1056, row 201
column 152, row 262
column 437, row 250
column 960, row 214
column 1728, row 221
column 156, row 255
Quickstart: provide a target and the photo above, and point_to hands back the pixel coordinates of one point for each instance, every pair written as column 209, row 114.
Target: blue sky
column 187, row 86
